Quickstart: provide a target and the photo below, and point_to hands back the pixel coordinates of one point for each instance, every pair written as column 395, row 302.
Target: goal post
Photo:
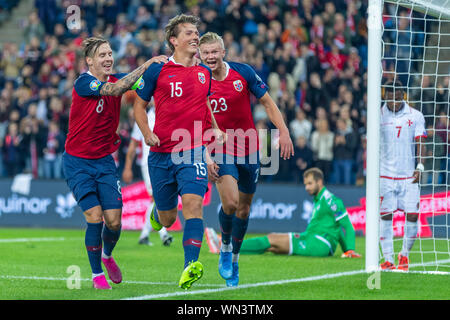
column 374, row 76
column 409, row 40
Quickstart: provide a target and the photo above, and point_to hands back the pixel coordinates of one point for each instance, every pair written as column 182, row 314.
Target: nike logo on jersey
column 173, row 75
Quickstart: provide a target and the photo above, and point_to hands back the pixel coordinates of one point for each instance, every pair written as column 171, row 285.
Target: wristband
column 420, row 167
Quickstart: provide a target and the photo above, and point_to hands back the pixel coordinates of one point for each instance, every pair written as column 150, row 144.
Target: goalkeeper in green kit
column 329, row 226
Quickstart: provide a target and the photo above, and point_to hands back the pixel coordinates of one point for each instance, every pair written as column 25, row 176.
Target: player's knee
column 167, row 218
column 113, row 225
column 243, row 211
column 230, row 205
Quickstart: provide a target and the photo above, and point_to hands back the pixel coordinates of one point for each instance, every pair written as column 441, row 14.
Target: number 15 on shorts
column 201, row 170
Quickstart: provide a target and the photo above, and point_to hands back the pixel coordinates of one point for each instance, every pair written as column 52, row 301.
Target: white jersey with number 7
column 398, row 135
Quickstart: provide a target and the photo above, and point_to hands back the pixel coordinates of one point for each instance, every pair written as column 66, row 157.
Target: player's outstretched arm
column 286, row 146
column 121, row 86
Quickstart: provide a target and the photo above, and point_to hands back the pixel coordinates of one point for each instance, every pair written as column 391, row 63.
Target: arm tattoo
column 118, row 88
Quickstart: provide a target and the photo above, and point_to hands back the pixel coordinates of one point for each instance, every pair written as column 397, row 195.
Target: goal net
column 415, row 50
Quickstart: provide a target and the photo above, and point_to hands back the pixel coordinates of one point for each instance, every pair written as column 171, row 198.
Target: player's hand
column 285, row 145
column 127, row 175
column 221, row 137
column 157, row 59
column 416, row 176
column 152, row 140
column 350, row 254
column 213, row 171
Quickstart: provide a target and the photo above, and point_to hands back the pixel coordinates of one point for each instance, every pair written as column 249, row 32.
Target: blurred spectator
column 33, row 142
column 34, row 28
column 303, row 158
column 11, row 152
column 53, row 152
column 300, row 126
column 322, row 140
column 344, row 151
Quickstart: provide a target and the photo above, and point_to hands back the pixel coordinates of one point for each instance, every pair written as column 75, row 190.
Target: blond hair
column 91, row 45
column 211, row 37
column 172, row 29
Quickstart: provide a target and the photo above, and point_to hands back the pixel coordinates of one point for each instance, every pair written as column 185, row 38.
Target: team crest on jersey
column 238, row 85
column 201, row 77
column 94, row 85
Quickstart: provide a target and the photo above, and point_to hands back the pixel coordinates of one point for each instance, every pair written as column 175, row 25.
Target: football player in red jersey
column 88, row 166
column 238, row 168
column 180, row 89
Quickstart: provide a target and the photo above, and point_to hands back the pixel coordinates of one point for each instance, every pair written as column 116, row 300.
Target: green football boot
column 155, row 224
column 192, row 273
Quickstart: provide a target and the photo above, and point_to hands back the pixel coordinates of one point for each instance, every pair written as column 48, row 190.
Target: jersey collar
column 90, row 73
column 227, row 70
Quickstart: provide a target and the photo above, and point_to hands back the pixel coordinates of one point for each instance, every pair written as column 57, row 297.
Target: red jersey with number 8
column 93, row 119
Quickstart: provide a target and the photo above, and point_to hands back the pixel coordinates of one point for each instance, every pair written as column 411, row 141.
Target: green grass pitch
column 38, row 270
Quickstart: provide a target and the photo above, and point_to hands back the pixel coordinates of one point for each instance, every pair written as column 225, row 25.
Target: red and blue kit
column 181, row 113
column 230, row 103
column 93, row 119
column 88, row 166
column 180, row 95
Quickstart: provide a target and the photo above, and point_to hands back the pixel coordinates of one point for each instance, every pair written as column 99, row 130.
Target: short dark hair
column 316, row 173
column 172, row 30
column 91, row 45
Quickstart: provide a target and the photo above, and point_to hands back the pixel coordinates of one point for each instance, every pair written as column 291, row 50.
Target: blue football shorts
column 244, row 169
column 173, row 174
column 93, row 181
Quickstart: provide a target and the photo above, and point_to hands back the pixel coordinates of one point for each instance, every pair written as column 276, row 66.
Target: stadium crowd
column 311, row 53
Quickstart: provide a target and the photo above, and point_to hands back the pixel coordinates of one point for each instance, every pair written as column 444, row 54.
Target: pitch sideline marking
column 30, row 239
column 279, row 282
column 85, row 279
column 245, row 286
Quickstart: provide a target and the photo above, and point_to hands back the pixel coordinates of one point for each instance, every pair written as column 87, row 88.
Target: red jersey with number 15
column 181, row 109
column 93, row 119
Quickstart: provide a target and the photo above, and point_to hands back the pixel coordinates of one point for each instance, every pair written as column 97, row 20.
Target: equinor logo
column 268, row 210
column 18, row 204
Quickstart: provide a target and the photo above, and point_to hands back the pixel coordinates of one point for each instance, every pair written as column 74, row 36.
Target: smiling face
column 212, row 54
column 187, row 39
column 102, row 61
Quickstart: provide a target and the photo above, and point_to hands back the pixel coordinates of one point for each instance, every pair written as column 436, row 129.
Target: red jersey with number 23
column 230, row 103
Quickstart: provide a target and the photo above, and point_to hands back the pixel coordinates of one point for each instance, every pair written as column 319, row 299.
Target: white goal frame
column 436, row 8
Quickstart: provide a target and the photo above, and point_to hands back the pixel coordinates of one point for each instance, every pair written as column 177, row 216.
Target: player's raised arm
column 274, row 114
column 121, row 86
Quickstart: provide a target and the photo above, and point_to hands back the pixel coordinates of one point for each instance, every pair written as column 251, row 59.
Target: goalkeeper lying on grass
column 323, row 233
